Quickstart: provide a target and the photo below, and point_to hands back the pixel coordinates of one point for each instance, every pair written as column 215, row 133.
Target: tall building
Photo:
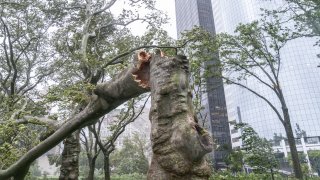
column 299, row 78
column 190, row 13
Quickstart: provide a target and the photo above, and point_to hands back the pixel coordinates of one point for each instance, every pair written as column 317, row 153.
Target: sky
column 167, row 6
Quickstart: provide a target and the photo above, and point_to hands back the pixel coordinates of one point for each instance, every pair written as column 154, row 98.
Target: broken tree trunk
column 178, row 142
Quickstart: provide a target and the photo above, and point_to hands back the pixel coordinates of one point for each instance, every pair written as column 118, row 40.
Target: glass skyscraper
column 190, row 13
column 299, row 76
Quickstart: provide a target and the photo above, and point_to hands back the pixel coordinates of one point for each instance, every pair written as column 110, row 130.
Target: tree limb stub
column 106, row 97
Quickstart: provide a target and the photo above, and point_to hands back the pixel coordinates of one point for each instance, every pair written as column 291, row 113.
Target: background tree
column 301, row 16
column 253, row 53
column 314, row 158
column 304, row 163
column 25, row 65
column 92, row 139
column 117, row 127
column 235, row 161
column 90, row 146
column 258, row 152
column 130, row 158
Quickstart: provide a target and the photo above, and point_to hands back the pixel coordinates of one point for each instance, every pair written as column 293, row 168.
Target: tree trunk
column 92, row 166
column 178, row 142
column 22, row 173
column 69, row 169
column 106, row 167
column 272, row 174
column 292, row 144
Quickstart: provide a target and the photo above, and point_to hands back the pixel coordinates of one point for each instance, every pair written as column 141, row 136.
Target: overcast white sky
column 167, row 6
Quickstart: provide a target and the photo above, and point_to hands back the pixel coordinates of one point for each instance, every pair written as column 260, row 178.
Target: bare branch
column 255, row 76
column 74, row 7
column 114, row 60
column 6, row 53
column 106, row 6
column 257, row 94
column 254, row 60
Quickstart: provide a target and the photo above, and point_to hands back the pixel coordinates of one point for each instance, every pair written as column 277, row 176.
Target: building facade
column 190, row 13
column 299, row 78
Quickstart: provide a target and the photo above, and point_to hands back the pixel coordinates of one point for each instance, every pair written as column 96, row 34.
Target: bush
column 133, row 176
column 226, row 175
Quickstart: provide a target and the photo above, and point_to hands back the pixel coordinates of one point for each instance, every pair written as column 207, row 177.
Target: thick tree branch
column 40, row 121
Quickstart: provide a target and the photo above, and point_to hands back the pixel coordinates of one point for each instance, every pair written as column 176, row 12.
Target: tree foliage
column 314, row 158
column 305, row 14
column 235, row 161
column 25, row 65
column 258, row 152
column 131, row 157
column 249, row 57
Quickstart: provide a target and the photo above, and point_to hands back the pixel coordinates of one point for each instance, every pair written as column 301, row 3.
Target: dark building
column 190, row 13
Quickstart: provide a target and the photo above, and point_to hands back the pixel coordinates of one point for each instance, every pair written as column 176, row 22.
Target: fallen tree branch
column 106, row 97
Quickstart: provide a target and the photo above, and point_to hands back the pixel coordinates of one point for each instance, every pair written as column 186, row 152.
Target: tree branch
column 13, row 64
column 255, row 76
column 106, row 6
column 114, row 60
column 106, row 97
column 257, row 63
column 257, row 94
column 16, row 112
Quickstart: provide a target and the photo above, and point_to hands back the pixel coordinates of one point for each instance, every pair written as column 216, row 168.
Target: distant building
column 190, row 13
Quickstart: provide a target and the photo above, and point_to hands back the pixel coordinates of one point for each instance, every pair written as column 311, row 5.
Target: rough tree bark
column 69, row 169
column 178, row 142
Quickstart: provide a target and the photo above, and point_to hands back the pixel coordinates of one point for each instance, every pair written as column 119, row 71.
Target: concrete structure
column 304, row 144
column 190, row 13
